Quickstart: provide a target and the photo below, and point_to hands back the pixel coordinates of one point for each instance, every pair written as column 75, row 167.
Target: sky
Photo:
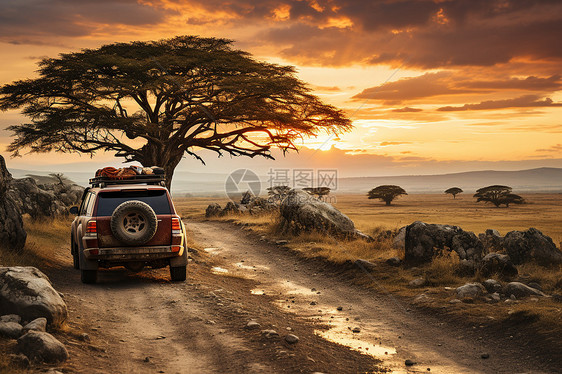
column 431, row 86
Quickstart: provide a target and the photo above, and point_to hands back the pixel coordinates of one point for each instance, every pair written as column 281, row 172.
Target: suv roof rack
column 153, row 179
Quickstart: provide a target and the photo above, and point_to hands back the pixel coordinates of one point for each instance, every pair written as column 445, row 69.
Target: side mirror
column 74, row 210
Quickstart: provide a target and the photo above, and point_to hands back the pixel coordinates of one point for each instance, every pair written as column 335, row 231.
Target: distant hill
column 531, row 180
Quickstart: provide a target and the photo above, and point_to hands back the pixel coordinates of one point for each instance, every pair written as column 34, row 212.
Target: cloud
column 407, row 110
column 557, row 148
column 31, row 20
column 384, row 144
column 519, row 102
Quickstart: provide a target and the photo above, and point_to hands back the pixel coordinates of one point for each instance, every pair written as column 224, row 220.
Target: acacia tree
column 386, row 193
column 454, row 191
column 154, row 102
column 498, row 195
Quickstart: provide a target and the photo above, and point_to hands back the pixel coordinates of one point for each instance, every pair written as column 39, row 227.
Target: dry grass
column 47, row 242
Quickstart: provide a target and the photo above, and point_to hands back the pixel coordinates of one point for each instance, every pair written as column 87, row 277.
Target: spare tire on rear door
column 134, row 222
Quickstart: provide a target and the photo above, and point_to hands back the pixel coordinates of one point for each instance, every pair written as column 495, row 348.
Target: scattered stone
column 86, row 338
column 422, row 298
column 520, row 290
column 485, row 355
column 29, row 293
column 40, row 346
column 365, row 265
column 524, row 246
column 292, row 339
column 270, row 334
column 472, row 290
column 339, row 308
column 423, row 241
column 19, row 361
column 394, row 261
column 356, row 330
column 492, row 285
column 535, row 285
column 313, row 303
column 418, row 282
column 38, row 324
column 409, row 362
column 454, row 301
column 146, row 359
column 496, row 263
column 10, row 330
column 252, row 325
column 10, row 318
column 281, row 242
column 495, row 297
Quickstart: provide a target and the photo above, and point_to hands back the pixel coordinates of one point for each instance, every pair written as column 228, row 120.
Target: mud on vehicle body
column 130, row 223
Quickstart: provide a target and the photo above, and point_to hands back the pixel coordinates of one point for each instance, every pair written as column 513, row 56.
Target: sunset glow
column 423, row 81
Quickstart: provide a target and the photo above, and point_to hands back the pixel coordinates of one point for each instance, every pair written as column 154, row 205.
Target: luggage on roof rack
column 153, row 179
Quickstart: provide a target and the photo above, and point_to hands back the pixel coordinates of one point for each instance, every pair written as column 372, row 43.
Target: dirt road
column 142, row 323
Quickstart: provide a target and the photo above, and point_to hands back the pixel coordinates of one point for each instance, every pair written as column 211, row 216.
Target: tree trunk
column 388, row 202
column 154, row 156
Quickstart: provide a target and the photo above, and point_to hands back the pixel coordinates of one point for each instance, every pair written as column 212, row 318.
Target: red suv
column 130, row 222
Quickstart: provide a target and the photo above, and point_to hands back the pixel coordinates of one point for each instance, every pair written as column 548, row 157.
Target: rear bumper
column 134, row 253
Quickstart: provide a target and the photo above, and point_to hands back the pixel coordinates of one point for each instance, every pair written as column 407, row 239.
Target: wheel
column 75, row 261
column 88, row 276
column 134, row 222
column 178, row 273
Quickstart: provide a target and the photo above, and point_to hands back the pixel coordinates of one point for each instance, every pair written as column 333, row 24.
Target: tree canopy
column 454, row 191
column 154, row 102
column 386, row 193
column 498, row 195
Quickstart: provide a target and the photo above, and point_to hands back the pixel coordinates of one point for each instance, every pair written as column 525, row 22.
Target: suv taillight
column 176, row 225
column 92, row 228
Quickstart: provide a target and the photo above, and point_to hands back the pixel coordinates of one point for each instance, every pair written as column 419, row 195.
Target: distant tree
column 454, row 191
column 498, row 195
column 386, row 193
column 318, row 191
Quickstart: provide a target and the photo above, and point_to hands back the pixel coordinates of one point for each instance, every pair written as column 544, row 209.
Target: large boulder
column 301, row 212
column 472, row 290
column 424, row 241
column 213, row 210
column 10, row 330
column 520, row 290
column 524, row 246
column 35, row 201
column 497, row 263
column 41, row 346
column 26, row 291
column 399, row 241
column 12, row 233
column 492, row 241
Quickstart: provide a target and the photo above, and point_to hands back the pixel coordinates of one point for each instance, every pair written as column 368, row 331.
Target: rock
column 520, row 290
column 28, row 292
column 524, row 246
column 38, row 324
column 424, row 241
column 270, row 334
column 492, row 285
column 12, row 233
column 19, row 361
column 356, row 330
column 485, row 355
column 492, row 241
column 300, row 212
column 213, row 210
column 495, row 263
column 399, row 241
column 42, row 347
column 454, row 301
column 365, row 265
column 472, row 290
column 339, row 308
column 418, row 282
column 259, row 205
column 252, row 325
column 495, row 297
column 292, row 339
column 247, row 197
column 535, row 285
column 10, row 318
column 394, row 261
column 421, row 298
column 409, row 362
column 281, row 242
column 10, row 330
column 230, row 208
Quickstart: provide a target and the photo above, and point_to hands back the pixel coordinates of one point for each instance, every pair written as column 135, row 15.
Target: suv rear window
column 157, row 199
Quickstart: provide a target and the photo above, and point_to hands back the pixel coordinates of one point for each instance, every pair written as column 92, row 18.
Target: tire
column 88, row 276
column 75, row 261
column 178, row 273
column 134, row 222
